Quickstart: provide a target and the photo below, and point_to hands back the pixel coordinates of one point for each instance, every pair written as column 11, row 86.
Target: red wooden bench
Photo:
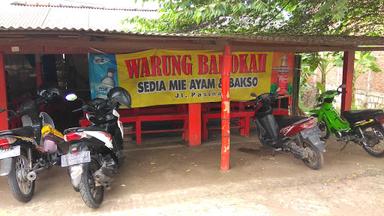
column 152, row 114
column 239, row 110
column 139, row 119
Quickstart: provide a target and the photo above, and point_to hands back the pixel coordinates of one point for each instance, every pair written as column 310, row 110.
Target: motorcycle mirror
column 253, row 94
column 71, row 97
column 2, row 110
column 343, row 86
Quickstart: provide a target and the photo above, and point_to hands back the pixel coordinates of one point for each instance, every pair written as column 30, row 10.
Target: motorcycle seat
column 23, row 131
column 360, row 115
column 284, row 121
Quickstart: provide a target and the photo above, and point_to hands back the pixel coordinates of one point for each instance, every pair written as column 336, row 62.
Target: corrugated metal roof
column 53, row 4
column 51, row 17
column 314, row 40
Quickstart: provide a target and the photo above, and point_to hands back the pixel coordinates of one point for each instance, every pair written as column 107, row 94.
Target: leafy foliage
column 325, row 61
column 349, row 17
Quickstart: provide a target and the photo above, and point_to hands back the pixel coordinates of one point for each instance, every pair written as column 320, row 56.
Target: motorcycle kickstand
column 344, row 146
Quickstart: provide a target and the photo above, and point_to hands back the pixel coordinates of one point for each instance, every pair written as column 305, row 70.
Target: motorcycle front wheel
column 91, row 193
column 315, row 159
column 22, row 188
column 374, row 143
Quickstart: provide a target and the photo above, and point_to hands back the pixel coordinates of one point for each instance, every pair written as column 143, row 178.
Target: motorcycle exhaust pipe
column 31, row 176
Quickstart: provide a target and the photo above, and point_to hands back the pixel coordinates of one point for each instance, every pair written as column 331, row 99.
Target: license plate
column 76, row 158
column 13, row 151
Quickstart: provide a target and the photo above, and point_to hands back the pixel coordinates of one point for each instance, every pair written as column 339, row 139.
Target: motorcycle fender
column 313, row 137
column 5, row 166
column 75, row 174
column 100, row 136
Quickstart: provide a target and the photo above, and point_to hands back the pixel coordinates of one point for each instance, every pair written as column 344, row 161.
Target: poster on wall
column 282, row 73
column 103, row 74
column 158, row 77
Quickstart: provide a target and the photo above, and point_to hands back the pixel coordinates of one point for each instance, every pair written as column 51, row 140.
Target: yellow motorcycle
column 36, row 146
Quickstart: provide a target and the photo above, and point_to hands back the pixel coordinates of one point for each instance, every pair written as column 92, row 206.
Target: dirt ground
column 173, row 179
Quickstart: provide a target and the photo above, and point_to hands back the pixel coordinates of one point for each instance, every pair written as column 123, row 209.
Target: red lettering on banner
column 176, row 65
column 235, row 64
column 253, row 64
column 262, row 63
column 243, row 63
column 144, row 67
column 155, row 63
column 186, row 66
column 132, row 67
column 213, row 66
column 221, row 60
column 166, row 65
column 203, row 64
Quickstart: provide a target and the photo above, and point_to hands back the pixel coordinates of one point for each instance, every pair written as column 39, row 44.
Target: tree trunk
column 323, row 79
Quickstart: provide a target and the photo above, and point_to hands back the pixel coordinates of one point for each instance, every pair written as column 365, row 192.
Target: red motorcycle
column 295, row 134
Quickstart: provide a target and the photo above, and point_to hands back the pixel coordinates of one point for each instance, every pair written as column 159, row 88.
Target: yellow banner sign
column 157, row 77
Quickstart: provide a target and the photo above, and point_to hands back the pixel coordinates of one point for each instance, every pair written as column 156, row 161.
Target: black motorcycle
column 295, row 134
column 32, row 148
column 95, row 152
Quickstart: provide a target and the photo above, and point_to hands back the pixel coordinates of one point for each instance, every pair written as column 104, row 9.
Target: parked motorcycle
column 95, row 152
column 363, row 127
column 30, row 149
column 295, row 134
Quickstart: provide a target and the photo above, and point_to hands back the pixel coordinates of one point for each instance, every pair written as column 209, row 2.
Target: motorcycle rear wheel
column 91, row 194
column 376, row 150
column 315, row 158
column 22, row 189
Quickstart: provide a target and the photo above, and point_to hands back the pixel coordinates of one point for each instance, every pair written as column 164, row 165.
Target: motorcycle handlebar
column 14, row 114
column 77, row 110
column 84, row 108
column 266, row 97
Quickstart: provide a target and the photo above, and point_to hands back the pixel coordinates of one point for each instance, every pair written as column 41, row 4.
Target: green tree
column 348, row 17
column 324, row 62
column 288, row 17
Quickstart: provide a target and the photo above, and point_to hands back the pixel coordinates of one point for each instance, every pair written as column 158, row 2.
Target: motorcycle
column 295, row 134
column 32, row 148
column 363, row 127
column 95, row 152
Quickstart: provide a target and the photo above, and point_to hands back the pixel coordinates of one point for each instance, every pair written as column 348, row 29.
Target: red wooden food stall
column 194, row 115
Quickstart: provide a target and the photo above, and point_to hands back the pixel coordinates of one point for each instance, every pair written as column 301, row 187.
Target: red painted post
column 3, row 95
column 194, row 124
column 225, row 108
column 39, row 74
column 348, row 66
